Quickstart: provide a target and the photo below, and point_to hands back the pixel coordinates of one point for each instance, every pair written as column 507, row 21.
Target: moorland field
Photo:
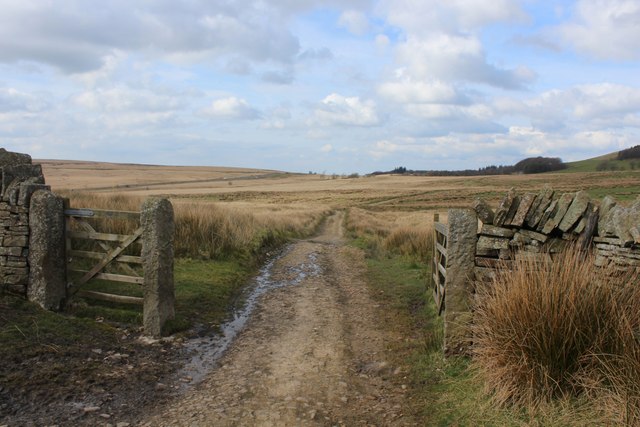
column 228, row 220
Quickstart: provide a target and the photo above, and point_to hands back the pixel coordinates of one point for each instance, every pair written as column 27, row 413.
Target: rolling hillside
column 595, row 164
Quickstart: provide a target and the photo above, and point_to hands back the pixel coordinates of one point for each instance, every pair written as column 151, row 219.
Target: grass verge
column 445, row 392
column 205, row 290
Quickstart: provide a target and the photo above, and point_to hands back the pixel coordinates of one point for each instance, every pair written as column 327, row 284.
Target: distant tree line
column 629, row 153
column 526, row 166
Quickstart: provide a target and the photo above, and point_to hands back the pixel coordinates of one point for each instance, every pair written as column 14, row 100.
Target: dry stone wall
column 543, row 224
column 532, row 226
column 32, row 243
column 19, row 179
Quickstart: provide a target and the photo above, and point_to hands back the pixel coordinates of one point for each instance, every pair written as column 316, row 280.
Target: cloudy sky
column 329, row 86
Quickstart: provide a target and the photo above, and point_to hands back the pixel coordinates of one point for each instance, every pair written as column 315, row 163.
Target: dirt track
column 313, row 354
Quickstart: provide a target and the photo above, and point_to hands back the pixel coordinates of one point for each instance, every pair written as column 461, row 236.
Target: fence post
column 156, row 217
column 461, row 249
column 47, row 253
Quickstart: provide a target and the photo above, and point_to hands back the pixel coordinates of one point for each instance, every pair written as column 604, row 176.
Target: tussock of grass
column 562, row 330
column 449, row 391
column 404, row 233
column 411, row 241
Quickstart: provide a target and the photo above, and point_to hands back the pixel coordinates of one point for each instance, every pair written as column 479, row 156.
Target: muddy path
column 313, row 352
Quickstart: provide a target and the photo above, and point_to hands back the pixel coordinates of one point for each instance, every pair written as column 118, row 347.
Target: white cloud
column 354, row 21
column 477, row 112
column 122, row 98
column 110, row 64
column 316, row 54
column 276, row 118
column 592, row 106
column 441, row 40
column 327, row 148
column 570, row 146
column 604, row 29
column 460, row 151
column 231, row 108
column 383, row 149
column 409, row 91
column 338, row 110
column 428, row 16
column 455, row 57
column 14, row 100
column 382, row 42
column 606, row 100
column 284, row 77
column 76, row 36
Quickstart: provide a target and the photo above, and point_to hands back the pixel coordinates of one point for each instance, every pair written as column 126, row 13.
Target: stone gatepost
column 48, row 270
column 461, row 249
column 156, row 218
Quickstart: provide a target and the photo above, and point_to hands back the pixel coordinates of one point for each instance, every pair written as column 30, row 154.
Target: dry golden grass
column 396, row 209
column 566, row 329
column 115, row 177
column 379, row 193
column 214, row 230
column 407, row 233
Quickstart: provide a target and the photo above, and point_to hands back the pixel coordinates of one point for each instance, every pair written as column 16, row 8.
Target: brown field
column 251, row 188
column 230, row 208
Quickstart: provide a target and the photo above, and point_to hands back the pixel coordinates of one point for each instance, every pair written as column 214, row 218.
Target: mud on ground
column 92, row 374
column 314, row 353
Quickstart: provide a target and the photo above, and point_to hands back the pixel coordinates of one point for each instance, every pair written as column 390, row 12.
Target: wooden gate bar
column 110, row 257
column 439, row 272
column 113, row 277
column 111, row 298
column 129, row 259
column 92, row 235
column 99, row 213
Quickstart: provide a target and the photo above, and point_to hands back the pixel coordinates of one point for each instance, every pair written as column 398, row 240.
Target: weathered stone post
column 47, row 263
column 461, row 249
column 157, row 220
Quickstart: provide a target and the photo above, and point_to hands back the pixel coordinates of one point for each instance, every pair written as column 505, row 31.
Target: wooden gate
column 438, row 267
column 92, row 254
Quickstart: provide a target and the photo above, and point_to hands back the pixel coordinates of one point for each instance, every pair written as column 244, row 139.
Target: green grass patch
column 26, row 329
column 205, row 290
column 608, row 162
column 444, row 392
column 620, row 193
column 35, row 341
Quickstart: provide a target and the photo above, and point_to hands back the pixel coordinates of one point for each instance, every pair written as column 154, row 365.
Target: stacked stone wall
column 535, row 227
column 540, row 225
column 19, row 179
column 618, row 239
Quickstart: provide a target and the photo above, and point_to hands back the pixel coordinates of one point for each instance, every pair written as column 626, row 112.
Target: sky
column 325, row 86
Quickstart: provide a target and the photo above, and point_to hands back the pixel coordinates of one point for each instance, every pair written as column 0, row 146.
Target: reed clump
column 562, row 329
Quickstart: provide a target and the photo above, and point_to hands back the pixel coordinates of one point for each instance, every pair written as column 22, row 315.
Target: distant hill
column 607, row 162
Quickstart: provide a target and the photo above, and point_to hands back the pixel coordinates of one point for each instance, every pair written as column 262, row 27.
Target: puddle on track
column 207, row 350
